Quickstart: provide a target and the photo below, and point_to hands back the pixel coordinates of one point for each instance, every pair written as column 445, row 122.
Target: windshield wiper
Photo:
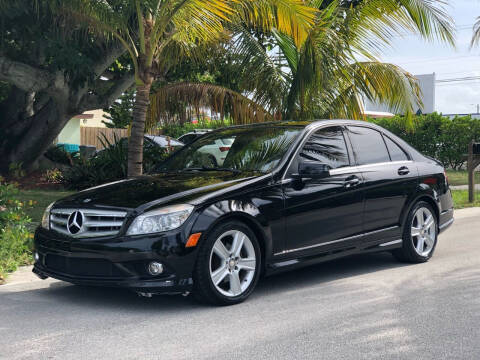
column 204, row 168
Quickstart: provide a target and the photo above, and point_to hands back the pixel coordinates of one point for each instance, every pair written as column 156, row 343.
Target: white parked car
column 216, row 151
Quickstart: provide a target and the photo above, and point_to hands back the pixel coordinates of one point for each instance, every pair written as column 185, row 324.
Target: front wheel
column 419, row 236
column 228, row 265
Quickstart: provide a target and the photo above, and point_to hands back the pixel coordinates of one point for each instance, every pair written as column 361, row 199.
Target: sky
column 420, row 57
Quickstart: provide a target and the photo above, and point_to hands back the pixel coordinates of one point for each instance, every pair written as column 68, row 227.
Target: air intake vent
column 84, row 223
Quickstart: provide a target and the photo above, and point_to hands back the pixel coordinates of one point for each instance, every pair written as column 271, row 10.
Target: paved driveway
column 364, row 307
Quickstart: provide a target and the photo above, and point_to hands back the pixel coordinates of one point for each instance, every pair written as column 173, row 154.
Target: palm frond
column 242, row 110
column 294, row 18
column 476, row 33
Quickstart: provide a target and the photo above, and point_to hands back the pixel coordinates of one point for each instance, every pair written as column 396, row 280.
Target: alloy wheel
column 424, row 231
column 232, row 263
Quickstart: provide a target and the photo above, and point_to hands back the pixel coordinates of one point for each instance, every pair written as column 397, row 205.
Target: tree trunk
column 135, row 143
column 25, row 141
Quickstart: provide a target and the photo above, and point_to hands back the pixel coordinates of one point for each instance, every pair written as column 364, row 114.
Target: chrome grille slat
column 103, row 223
column 96, row 223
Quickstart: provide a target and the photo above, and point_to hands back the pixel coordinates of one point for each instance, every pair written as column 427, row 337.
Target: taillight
column 224, row 148
column 446, row 176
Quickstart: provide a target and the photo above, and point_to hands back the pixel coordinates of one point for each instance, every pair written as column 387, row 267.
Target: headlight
column 46, row 217
column 164, row 219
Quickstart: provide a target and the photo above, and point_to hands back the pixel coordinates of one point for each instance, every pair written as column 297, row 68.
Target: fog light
column 36, row 256
column 155, row 268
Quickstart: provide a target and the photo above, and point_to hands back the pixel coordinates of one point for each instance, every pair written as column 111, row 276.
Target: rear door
column 323, row 213
column 390, row 177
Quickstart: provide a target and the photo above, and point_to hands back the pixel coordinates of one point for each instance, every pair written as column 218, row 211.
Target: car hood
column 166, row 188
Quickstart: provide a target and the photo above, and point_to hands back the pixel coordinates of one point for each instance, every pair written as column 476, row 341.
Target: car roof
column 163, row 141
column 306, row 123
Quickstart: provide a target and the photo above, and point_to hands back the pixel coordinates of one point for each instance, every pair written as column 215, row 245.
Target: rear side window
column 327, row 146
column 396, row 152
column 368, row 145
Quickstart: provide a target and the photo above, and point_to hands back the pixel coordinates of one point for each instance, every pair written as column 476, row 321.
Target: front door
column 323, row 213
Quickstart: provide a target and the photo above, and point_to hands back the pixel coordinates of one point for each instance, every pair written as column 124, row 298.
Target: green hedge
column 437, row 136
column 15, row 239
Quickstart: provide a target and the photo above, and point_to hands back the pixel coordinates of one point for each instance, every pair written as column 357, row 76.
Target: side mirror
column 313, row 170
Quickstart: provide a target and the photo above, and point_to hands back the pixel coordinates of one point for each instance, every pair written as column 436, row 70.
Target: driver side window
column 326, row 146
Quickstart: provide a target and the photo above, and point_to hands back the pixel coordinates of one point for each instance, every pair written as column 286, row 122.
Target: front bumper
column 117, row 262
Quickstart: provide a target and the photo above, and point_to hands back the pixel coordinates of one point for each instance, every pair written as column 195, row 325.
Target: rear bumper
column 117, row 262
column 446, row 220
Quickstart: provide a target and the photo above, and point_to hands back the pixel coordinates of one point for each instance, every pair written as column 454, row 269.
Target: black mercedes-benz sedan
column 288, row 194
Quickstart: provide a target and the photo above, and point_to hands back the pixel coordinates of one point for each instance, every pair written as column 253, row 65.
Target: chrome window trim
column 360, row 168
column 336, row 241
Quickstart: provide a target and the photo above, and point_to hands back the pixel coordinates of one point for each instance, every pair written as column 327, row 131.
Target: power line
column 433, row 59
column 465, row 78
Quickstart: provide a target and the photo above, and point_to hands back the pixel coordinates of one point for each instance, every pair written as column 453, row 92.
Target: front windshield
column 236, row 149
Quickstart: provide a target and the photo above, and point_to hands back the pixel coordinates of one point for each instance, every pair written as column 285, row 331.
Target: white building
column 427, row 86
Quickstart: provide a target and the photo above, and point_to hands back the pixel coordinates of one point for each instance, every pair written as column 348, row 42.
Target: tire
column 232, row 265
column 419, row 241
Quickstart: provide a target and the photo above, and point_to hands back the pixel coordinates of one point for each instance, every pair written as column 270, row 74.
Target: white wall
column 427, row 85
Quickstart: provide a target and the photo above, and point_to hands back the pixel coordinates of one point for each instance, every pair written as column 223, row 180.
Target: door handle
column 403, row 171
column 351, row 181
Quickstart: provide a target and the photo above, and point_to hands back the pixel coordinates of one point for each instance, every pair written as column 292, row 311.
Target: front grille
column 94, row 222
column 82, row 266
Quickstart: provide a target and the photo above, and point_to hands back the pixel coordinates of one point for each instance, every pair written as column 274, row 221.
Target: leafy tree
column 321, row 77
column 157, row 33
column 49, row 72
column 120, row 112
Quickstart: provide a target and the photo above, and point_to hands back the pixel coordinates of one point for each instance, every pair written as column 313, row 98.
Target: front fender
column 242, row 210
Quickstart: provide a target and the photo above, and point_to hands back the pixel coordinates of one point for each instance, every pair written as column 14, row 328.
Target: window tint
column 396, row 152
column 368, row 145
column 327, row 146
column 187, row 139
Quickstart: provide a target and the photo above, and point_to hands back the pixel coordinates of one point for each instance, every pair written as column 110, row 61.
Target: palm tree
column 156, row 33
column 323, row 76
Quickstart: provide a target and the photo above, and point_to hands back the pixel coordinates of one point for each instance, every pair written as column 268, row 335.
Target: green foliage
column 54, row 176
column 437, row 136
column 15, row 170
column 15, row 239
column 58, row 154
column 4, row 90
column 175, row 131
column 110, row 164
column 121, row 112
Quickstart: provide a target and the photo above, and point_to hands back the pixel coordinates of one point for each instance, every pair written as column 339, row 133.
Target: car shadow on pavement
column 328, row 271
column 112, row 299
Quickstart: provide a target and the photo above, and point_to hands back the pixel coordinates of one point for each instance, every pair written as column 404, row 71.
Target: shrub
column 15, row 239
column 109, row 164
column 58, row 154
column 54, row 176
column 437, row 136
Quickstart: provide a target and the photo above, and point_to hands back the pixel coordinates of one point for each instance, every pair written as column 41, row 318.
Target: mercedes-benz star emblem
column 75, row 222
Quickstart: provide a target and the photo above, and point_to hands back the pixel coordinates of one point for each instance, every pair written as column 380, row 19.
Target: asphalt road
column 364, row 307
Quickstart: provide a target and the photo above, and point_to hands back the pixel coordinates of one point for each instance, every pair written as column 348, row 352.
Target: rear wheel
column 419, row 236
column 228, row 265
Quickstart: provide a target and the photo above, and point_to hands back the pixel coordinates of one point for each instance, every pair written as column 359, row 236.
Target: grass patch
column 460, row 177
column 460, row 199
column 40, row 199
